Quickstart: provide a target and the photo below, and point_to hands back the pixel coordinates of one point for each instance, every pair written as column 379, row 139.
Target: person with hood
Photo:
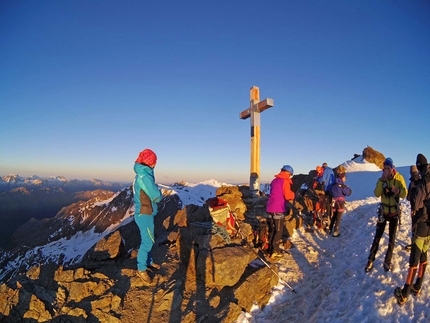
column 420, row 206
column 327, row 179
column 317, row 185
column 339, row 191
column 413, row 182
column 280, row 195
column 146, row 197
column 390, row 187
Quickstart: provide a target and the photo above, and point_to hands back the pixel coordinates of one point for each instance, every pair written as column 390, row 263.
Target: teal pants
column 145, row 223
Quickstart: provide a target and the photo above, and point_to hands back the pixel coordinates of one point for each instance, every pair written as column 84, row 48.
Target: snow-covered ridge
column 12, row 181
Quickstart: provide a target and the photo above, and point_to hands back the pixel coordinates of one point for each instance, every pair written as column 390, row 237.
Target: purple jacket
column 339, row 190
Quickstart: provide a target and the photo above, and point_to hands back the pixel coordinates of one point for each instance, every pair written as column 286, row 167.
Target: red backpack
column 221, row 214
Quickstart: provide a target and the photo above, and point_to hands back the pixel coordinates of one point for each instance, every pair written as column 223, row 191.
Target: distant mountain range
column 23, row 198
column 13, row 181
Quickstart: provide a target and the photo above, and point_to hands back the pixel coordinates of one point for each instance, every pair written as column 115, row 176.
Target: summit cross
column 255, row 107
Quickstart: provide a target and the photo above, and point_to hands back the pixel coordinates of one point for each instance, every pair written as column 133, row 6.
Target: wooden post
column 255, row 107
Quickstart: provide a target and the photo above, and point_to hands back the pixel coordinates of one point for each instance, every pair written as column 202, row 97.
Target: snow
column 195, row 194
column 328, row 273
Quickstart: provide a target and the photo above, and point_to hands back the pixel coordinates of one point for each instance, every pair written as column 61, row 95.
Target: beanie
column 413, row 169
column 147, row 157
column 421, row 162
column 389, row 162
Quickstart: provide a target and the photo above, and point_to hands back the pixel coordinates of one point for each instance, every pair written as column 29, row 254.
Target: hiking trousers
column 145, row 224
column 276, row 228
column 392, row 230
column 417, row 264
column 329, row 205
column 335, row 222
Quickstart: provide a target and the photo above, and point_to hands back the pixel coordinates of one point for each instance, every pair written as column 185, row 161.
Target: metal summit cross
column 255, row 107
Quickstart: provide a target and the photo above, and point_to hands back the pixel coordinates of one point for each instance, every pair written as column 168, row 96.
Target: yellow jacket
column 389, row 199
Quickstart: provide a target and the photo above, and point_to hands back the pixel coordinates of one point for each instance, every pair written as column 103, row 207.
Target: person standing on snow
column 280, row 195
column 412, row 188
column 146, row 197
column 390, row 187
column 339, row 191
column 420, row 206
column 327, row 179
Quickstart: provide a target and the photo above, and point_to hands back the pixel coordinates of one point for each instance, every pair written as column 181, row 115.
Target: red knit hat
column 147, row 157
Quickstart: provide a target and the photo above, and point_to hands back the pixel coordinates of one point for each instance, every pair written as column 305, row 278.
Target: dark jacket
column 422, row 222
column 412, row 188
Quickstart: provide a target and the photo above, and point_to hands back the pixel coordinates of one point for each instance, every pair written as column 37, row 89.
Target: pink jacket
column 280, row 192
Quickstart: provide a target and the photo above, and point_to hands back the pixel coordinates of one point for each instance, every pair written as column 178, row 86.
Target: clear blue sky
column 86, row 85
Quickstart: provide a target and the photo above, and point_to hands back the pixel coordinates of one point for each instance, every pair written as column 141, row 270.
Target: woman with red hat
column 146, row 197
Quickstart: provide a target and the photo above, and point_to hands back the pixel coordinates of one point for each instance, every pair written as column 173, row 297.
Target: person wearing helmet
column 146, row 196
column 280, row 195
column 390, row 187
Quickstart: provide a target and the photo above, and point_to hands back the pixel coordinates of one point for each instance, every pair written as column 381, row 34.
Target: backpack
column 261, row 236
column 222, row 215
column 427, row 200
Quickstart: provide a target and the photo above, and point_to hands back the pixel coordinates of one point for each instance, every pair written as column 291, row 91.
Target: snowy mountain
column 76, row 228
column 12, row 181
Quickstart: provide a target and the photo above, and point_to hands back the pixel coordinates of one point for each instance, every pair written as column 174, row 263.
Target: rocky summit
column 205, row 275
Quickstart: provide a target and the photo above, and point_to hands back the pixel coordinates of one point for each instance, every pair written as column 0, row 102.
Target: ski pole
column 265, row 262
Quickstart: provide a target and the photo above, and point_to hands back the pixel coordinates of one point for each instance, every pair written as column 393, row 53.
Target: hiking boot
column 415, row 291
column 276, row 255
column 154, row 266
column 336, row 233
column 387, row 267
column 399, row 296
column 408, row 247
column 369, row 266
column 143, row 275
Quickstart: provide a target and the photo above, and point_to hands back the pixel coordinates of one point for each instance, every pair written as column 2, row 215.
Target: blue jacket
column 146, row 192
column 327, row 178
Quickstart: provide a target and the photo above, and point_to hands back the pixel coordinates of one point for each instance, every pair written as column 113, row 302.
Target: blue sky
column 86, row 85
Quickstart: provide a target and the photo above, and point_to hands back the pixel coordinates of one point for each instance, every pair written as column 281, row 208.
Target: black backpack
column 427, row 200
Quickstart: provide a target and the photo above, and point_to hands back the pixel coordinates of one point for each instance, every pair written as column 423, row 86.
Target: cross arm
column 260, row 107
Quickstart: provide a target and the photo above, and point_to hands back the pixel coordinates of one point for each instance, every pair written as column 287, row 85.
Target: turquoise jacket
column 146, row 192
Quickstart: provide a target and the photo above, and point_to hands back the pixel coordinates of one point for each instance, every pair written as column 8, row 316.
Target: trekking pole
column 261, row 258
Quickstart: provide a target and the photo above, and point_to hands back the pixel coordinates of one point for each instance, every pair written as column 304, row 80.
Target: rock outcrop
column 203, row 278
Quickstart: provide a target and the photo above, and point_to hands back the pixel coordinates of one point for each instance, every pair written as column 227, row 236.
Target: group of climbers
column 390, row 187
